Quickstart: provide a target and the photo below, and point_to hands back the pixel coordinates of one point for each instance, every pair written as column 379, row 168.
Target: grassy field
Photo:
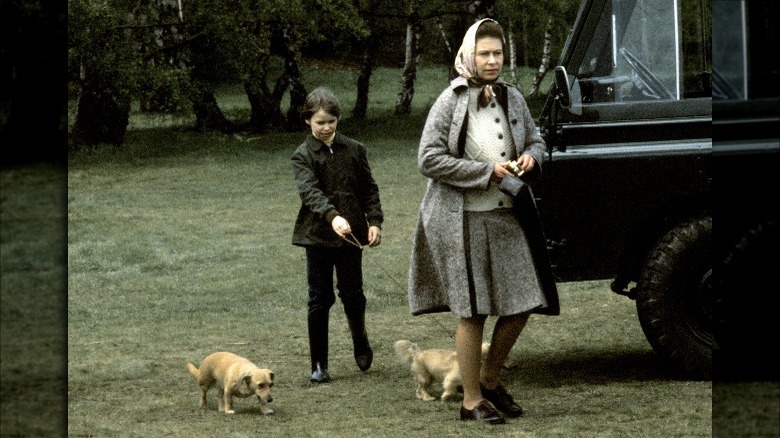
column 174, row 257
column 178, row 246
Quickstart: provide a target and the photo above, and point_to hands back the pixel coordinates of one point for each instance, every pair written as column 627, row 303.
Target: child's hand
column 340, row 226
column 374, row 235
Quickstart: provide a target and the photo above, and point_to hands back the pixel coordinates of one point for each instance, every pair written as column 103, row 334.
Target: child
column 340, row 212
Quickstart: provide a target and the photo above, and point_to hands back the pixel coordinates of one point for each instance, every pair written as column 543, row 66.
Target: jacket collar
column 315, row 144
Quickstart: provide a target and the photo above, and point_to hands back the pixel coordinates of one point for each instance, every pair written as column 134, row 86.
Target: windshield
column 646, row 50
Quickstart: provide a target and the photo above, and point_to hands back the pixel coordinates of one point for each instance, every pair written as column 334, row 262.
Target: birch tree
column 545, row 63
column 412, row 59
column 538, row 29
column 512, row 55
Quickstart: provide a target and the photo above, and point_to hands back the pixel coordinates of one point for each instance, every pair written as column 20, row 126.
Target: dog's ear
column 247, row 378
column 272, row 375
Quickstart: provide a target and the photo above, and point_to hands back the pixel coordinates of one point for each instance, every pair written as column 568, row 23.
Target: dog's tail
column 405, row 350
column 193, row 370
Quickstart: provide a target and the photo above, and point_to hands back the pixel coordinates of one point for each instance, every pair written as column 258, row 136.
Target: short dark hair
column 489, row 28
column 321, row 98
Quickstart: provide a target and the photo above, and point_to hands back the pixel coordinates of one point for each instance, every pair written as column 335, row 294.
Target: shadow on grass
column 592, row 367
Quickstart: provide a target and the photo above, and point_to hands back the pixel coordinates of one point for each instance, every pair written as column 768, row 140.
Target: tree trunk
column 208, row 116
column 364, row 80
column 524, row 33
column 450, row 52
column 160, row 88
column 446, row 38
column 103, row 111
column 266, row 113
column 513, row 56
column 409, row 76
column 545, row 59
column 298, row 93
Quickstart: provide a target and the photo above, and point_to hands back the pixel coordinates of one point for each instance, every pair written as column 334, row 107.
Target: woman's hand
column 499, row 171
column 374, row 235
column 526, row 162
column 340, row 226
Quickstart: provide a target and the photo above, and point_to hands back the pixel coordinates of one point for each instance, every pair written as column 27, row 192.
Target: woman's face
column 489, row 56
column 323, row 124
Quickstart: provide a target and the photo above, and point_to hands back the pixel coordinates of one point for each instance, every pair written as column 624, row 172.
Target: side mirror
column 562, row 86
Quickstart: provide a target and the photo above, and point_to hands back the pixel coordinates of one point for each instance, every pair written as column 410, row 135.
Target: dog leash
column 351, row 239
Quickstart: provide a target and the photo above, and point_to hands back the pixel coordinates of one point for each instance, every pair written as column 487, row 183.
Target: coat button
column 503, row 153
column 498, row 120
column 493, row 105
column 500, row 136
column 514, row 121
column 500, row 203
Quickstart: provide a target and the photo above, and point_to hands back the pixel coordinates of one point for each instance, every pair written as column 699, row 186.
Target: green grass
column 178, row 246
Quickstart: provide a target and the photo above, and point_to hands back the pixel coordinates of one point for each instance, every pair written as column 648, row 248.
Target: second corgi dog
column 436, row 365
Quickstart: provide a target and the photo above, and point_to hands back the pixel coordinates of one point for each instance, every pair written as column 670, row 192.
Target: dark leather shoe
column 502, row 401
column 320, row 375
column 482, row 411
column 364, row 359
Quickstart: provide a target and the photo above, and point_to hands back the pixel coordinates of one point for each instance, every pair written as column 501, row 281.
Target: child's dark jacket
column 332, row 182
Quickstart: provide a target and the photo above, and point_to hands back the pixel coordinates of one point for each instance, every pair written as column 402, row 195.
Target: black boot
column 364, row 355
column 318, row 345
column 364, row 358
column 319, row 374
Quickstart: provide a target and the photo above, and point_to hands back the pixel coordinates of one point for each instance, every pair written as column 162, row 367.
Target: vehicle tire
column 674, row 298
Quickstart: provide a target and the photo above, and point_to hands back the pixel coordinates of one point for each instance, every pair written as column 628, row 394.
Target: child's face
column 323, row 125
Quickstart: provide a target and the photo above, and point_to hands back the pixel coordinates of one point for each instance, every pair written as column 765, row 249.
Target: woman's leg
column 505, row 334
column 468, row 342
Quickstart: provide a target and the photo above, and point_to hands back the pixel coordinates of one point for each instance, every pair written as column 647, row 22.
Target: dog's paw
column 230, row 411
column 510, row 364
column 266, row 411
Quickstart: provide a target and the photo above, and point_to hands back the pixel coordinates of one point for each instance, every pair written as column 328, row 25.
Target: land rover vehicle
column 628, row 190
column 627, row 187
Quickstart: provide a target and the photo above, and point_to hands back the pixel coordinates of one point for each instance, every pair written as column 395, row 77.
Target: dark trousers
column 320, row 264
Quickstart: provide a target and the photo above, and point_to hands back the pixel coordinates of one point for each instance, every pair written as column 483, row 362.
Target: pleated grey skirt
column 501, row 272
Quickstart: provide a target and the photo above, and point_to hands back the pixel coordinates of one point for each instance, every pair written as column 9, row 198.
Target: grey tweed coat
column 438, row 264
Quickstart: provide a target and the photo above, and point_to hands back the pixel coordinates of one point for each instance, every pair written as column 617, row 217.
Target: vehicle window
column 647, row 50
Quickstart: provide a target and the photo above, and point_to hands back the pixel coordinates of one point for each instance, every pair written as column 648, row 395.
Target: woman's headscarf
column 466, row 64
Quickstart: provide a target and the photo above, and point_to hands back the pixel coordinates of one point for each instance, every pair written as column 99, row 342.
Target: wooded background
column 168, row 55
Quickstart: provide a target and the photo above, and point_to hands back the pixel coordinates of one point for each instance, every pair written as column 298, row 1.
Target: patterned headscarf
column 466, row 64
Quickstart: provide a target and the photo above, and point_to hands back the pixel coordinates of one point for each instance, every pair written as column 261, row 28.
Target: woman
column 478, row 252
column 340, row 212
